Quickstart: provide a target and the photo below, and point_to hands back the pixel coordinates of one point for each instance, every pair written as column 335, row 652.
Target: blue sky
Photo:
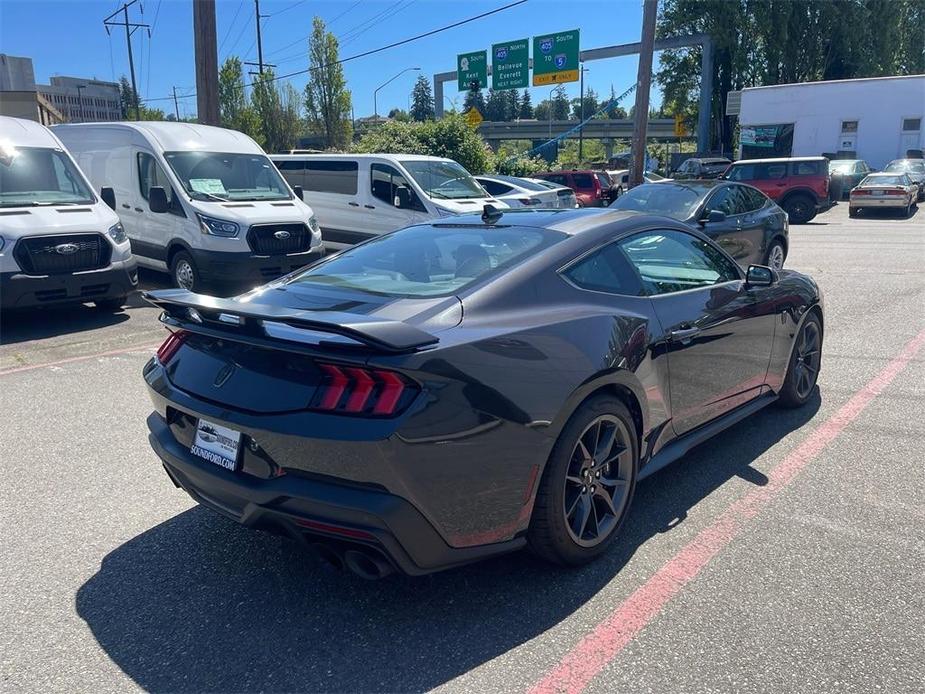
column 68, row 38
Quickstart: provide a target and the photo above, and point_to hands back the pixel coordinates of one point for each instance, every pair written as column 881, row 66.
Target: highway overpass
column 598, row 129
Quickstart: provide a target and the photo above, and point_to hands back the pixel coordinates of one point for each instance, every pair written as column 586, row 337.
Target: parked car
column 915, row 168
column 59, row 241
column 359, row 196
column 652, row 177
column 520, row 192
column 845, row 174
column 800, row 185
column 702, row 167
column 406, row 421
column 592, row 188
column 202, row 203
column 620, row 182
column 749, row 226
column 567, row 199
column 895, row 191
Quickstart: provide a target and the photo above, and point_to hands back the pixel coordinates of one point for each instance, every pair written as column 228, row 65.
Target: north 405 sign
column 510, row 64
column 472, row 70
column 555, row 58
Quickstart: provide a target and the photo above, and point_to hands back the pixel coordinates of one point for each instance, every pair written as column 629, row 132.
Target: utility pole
column 129, row 30
column 206, row 61
column 643, row 84
column 260, row 64
column 176, row 105
column 581, row 128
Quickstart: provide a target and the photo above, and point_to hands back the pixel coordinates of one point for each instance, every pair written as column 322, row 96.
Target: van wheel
column 113, row 304
column 799, row 208
column 587, row 486
column 183, row 272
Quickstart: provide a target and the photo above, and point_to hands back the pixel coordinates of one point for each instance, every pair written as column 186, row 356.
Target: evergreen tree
column 422, row 100
column 526, row 107
column 560, row 103
column 474, row 99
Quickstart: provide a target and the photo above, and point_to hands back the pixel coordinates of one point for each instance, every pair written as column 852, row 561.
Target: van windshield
column 220, row 176
column 35, row 176
column 445, row 180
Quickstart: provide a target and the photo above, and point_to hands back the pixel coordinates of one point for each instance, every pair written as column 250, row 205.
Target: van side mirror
column 157, row 199
column 299, row 192
column 108, row 195
column 713, row 216
column 760, row 276
column 402, row 197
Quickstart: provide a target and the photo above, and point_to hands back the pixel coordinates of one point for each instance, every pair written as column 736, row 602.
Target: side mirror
column 402, row 198
column 760, row 276
column 157, row 199
column 108, row 195
column 299, row 193
column 713, row 216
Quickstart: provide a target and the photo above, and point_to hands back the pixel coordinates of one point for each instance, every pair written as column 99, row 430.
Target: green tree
column 128, row 99
column 422, row 100
column 616, row 112
column 234, row 106
column 449, row 137
column 277, row 108
column 560, row 103
column 591, row 105
column 327, row 99
column 526, row 107
column 399, row 115
column 474, row 99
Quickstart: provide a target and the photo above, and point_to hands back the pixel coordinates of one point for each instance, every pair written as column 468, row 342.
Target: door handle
column 353, row 204
column 127, row 207
column 138, row 209
column 684, row 334
column 370, row 207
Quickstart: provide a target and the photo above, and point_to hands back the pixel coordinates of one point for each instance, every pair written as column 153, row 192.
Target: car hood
column 250, row 212
column 466, row 205
column 30, row 221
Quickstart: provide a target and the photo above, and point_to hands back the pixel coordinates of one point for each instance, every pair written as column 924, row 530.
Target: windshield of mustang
column 427, row 260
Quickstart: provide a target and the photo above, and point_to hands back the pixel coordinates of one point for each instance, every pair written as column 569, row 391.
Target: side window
column 722, row 201
column 583, row 181
column 806, row 168
column 332, row 176
column 742, row 172
column 386, row 180
column 495, row 188
column 775, row 172
column 673, row 261
column 151, row 174
column 756, row 199
column 605, row 270
column 560, row 179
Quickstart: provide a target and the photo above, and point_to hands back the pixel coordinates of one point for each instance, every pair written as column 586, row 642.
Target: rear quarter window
column 583, row 180
column 809, row 168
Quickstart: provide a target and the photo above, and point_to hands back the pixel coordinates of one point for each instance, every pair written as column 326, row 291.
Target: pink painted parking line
column 592, row 654
column 83, row 357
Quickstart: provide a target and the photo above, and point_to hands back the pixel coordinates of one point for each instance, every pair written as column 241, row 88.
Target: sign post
column 555, row 58
column 510, row 64
column 472, row 70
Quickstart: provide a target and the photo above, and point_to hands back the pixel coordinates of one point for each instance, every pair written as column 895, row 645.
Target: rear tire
column 183, row 272
column 805, row 362
column 854, row 212
column 776, row 255
column 589, row 480
column 800, row 208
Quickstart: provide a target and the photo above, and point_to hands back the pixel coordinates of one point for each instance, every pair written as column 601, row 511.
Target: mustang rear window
column 427, row 260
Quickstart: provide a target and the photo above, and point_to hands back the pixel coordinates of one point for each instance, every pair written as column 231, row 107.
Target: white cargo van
column 358, row 196
column 202, row 203
column 59, row 242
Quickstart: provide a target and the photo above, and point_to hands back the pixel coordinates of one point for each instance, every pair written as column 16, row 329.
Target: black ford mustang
column 464, row 388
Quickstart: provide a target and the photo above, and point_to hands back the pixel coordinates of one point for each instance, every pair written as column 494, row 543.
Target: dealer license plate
column 217, row 444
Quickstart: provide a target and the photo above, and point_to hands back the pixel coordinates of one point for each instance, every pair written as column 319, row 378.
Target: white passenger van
column 358, row 196
column 202, row 203
column 59, row 242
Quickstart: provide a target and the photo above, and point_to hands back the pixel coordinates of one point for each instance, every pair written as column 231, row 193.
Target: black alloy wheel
column 800, row 208
column 804, row 364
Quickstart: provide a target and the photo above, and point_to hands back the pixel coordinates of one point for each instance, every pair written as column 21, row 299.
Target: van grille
column 50, row 255
column 264, row 239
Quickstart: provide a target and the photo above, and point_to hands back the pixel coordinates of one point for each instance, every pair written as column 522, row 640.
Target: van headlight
column 116, row 233
column 217, row 227
column 313, row 225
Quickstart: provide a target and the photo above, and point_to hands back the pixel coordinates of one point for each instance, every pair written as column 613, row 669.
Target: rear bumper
column 18, row 290
column 222, row 267
column 314, row 510
column 879, row 202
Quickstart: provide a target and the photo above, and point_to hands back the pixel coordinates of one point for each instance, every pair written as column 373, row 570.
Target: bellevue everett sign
column 510, row 64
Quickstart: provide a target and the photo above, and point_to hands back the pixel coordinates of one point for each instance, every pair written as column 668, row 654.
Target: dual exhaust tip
column 366, row 564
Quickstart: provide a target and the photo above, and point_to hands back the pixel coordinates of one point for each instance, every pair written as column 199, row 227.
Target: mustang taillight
column 357, row 390
column 173, row 342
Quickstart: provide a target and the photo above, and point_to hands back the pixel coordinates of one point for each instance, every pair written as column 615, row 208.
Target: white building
column 876, row 119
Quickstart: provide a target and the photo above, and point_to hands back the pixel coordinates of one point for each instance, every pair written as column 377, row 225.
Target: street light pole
column 80, row 101
column 549, row 110
column 581, row 128
column 376, row 90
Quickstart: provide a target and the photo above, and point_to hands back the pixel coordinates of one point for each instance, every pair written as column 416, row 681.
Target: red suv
column 800, row 185
column 592, row 188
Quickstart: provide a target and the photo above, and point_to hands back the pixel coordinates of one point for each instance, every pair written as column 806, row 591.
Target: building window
column 912, row 124
column 849, row 126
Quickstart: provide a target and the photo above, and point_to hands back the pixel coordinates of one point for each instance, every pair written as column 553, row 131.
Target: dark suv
column 800, row 185
column 592, row 188
column 701, row 167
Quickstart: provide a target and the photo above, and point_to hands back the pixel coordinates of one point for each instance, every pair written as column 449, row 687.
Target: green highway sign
column 555, row 58
column 510, row 63
column 472, row 67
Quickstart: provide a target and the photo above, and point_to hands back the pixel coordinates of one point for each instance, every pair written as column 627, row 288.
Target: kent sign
column 555, row 58
column 510, row 64
column 472, row 68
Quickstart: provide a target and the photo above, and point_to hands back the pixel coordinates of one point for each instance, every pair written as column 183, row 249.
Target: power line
column 344, row 12
column 286, row 9
column 230, row 26
column 395, row 44
column 359, row 33
column 240, row 34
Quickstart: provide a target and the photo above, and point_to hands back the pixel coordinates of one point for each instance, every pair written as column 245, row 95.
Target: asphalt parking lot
column 784, row 555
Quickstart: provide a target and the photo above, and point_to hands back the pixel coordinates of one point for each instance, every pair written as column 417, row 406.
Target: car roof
column 173, row 137
column 778, row 160
column 907, row 160
column 711, row 160
column 366, row 155
column 566, row 221
column 26, row 133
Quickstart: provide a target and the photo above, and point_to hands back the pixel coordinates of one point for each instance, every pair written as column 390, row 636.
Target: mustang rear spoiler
column 212, row 315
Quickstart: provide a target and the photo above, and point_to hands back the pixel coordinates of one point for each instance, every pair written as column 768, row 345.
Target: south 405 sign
column 510, row 64
column 555, row 58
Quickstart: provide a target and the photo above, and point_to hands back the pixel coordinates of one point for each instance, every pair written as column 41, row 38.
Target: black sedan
column 464, row 388
column 740, row 218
